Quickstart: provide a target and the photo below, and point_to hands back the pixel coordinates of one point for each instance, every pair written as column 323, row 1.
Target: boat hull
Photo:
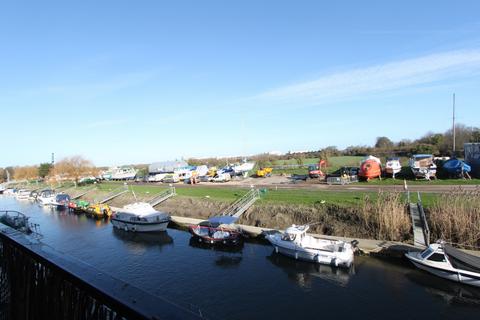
column 139, row 226
column 311, row 255
column 207, row 237
column 453, row 275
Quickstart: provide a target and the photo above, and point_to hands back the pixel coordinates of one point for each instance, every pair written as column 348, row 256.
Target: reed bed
column 385, row 217
column 455, row 217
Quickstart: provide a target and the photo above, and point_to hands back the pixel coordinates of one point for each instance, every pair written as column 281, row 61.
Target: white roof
column 140, row 209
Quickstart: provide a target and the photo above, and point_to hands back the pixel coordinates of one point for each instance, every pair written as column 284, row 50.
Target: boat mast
column 453, row 125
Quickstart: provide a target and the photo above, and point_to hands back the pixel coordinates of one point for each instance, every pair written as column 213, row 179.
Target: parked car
column 171, row 178
column 222, row 177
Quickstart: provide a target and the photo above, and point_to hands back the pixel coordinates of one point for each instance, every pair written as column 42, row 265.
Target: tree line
column 69, row 168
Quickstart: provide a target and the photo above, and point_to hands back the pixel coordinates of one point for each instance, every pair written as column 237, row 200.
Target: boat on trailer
column 297, row 244
column 393, row 166
column 140, row 217
column 448, row 262
column 216, row 231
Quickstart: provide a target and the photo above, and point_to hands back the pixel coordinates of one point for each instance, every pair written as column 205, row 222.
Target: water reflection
column 226, row 257
column 194, row 242
column 303, row 273
column 144, row 239
column 453, row 293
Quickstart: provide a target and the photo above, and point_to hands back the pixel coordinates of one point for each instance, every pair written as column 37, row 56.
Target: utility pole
column 453, row 125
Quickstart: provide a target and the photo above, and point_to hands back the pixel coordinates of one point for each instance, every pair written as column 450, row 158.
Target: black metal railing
column 37, row 282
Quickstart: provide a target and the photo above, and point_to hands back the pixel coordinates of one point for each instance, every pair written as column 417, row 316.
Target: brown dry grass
column 454, row 217
column 386, row 217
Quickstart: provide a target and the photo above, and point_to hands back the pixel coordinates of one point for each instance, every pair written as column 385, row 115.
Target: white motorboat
column 447, row 262
column 393, row 166
column 22, row 194
column 296, row 243
column 2, row 188
column 46, row 197
column 243, row 168
column 140, row 217
column 422, row 166
column 119, row 173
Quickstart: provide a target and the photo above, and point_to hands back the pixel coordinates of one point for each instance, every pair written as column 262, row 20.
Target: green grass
column 280, row 196
column 399, row 181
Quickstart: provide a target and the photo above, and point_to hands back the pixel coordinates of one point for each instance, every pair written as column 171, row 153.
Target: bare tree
column 73, row 168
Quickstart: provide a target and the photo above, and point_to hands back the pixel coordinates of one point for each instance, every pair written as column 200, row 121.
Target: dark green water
column 252, row 282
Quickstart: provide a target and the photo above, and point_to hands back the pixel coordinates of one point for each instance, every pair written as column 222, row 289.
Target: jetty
column 162, row 196
column 112, row 195
column 237, row 208
column 78, row 196
column 421, row 232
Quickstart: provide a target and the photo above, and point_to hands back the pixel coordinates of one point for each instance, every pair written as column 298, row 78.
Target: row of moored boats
column 439, row 259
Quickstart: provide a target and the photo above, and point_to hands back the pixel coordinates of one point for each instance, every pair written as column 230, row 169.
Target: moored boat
column 449, row 263
column 22, row 194
column 140, row 217
column 216, row 231
column 297, row 244
column 61, row 201
column 46, row 197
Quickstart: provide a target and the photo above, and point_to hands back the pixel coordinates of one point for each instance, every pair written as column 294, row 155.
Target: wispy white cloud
column 353, row 84
column 96, row 88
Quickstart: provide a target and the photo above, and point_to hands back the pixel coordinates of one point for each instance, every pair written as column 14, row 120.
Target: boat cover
column 455, row 166
column 462, row 260
column 222, row 220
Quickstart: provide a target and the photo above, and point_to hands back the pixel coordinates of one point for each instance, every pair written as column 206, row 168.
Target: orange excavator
column 315, row 170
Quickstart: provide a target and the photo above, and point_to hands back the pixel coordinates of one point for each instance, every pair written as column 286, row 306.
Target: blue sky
column 140, row 81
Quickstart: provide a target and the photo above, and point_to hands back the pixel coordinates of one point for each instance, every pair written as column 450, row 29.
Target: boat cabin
column 295, row 233
column 434, row 253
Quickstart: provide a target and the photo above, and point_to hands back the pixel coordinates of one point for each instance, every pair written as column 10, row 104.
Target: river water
column 251, row 282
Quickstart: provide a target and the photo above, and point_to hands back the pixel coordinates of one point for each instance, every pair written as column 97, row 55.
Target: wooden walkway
column 421, row 232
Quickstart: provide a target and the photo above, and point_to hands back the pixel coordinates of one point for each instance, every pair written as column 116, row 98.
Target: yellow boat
column 99, row 211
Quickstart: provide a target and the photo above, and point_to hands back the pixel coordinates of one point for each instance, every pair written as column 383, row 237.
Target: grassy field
column 334, row 163
column 285, row 196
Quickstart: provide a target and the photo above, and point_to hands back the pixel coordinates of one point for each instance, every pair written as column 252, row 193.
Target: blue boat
column 455, row 166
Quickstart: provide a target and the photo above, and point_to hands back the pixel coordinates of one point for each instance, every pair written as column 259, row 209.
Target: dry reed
column 385, row 217
column 455, row 217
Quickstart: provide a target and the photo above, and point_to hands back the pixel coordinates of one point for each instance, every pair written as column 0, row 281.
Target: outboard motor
column 354, row 244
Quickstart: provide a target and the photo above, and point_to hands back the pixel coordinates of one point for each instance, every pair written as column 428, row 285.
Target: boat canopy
column 462, row 260
column 222, row 220
column 421, row 156
column 141, row 209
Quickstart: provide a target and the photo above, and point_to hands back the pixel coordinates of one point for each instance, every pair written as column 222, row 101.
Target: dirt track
column 282, row 182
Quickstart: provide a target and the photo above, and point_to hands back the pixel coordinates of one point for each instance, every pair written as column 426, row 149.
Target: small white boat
column 22, row 194
column 393, row 166
column 140, row 217
column 2, row 188
column 422, row 166
column 447, row 262
column 46, row 197
column 296, row 243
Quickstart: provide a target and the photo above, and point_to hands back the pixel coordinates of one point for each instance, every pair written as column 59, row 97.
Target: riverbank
column 356, row 214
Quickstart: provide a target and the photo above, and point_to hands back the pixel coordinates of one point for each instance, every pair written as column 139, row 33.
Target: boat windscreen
column 462, row 260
